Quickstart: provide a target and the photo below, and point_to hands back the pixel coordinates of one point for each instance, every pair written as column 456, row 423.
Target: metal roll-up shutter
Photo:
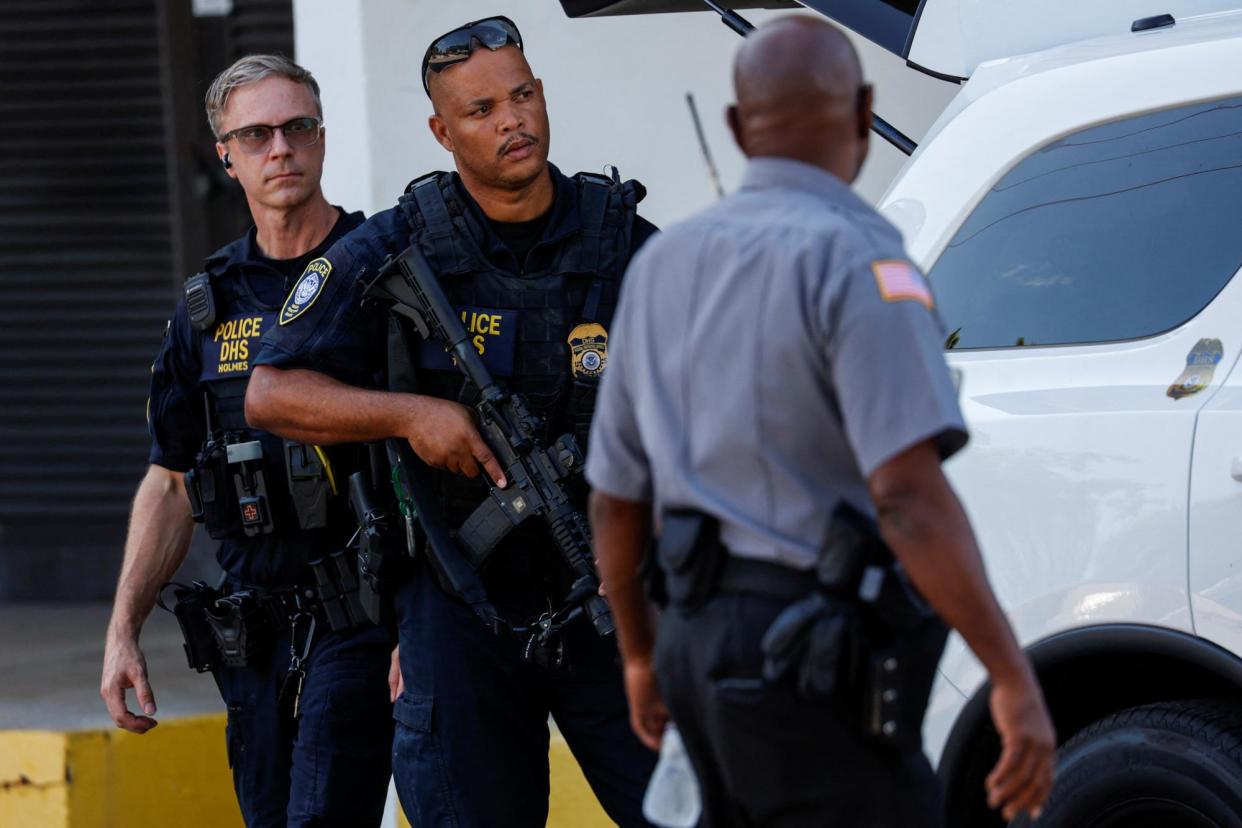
column 101, row 217
column 262, row 26
column 85, row 256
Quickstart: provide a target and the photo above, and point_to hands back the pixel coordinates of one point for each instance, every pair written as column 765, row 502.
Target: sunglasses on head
column 459, row 44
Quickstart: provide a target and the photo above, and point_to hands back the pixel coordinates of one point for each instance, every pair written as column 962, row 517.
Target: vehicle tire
column 1165, row 765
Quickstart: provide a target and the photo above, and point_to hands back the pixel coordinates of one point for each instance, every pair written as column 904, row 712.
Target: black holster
column 903, row 640
column 241, row 627
column 690, row 558
column 382, row 552
column 190, row 610
column 864, row 635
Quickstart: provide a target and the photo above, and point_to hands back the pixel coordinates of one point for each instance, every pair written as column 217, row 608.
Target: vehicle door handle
column 1235, row 470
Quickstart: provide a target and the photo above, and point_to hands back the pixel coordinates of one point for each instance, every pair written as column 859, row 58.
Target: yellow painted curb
column 103, row 778
column 178, row 773
column 571, row 804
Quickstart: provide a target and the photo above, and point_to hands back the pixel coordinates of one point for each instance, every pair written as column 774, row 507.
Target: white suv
column 1078, row 208
column 1079, row 213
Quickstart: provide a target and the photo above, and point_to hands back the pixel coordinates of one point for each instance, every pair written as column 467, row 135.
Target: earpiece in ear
column 228, row 165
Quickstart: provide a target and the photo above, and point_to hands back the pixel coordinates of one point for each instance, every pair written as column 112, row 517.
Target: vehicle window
column 1117, row 232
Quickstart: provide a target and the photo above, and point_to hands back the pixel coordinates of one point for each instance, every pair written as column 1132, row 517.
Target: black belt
column 751, row 576
column 282, row 605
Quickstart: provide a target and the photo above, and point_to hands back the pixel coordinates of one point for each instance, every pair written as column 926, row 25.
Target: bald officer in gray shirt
column 773, row 357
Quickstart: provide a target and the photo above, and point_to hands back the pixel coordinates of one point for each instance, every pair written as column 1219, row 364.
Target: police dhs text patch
column 307, row 290
column 230, row 345
column 493, row 334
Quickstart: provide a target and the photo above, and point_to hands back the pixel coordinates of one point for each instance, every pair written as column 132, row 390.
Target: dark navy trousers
column 471, row 742
column 765, row 756
column 330, row 767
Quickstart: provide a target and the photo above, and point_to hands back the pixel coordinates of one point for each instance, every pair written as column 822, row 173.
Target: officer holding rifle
column 466, row 330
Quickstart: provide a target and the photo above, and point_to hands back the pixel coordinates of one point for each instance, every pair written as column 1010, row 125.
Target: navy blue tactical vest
column 542, row 332
column 227, row 348
column 231, row 341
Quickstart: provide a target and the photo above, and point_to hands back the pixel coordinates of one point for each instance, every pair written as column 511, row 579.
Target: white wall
column 615, row 87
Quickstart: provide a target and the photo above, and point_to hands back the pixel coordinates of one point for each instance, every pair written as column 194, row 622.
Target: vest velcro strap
column 227, row 401
column 439, row 230
column 592, row 208
column 590, row 308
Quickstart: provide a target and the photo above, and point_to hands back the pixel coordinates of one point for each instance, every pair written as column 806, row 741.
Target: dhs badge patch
column 307, row 290
column 588, row 351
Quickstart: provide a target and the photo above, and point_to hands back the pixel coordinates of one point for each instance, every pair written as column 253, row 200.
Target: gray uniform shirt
column 768, row 354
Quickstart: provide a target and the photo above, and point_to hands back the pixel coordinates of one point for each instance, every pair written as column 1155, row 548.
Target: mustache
column 513, row 139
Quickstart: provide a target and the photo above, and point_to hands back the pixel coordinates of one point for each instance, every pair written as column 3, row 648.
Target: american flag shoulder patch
column 899, row 280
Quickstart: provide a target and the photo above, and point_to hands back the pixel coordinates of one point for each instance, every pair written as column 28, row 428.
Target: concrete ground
column 50, row 661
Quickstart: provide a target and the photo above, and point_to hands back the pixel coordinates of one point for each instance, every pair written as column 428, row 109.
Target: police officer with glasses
column 303, row 674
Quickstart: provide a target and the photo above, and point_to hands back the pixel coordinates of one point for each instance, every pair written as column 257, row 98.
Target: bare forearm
column 928, row 532
column 619, row 528
column 315, row 408
column 159, row 535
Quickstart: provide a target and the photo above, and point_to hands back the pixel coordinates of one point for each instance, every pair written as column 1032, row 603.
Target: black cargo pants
column 766, row 756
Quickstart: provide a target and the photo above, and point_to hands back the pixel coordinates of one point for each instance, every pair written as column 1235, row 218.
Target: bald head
column 800, row 95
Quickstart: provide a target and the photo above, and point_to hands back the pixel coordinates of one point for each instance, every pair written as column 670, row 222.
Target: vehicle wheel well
column 1086, row 673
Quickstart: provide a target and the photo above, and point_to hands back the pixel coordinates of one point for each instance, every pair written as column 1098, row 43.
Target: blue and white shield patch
column 307, row 290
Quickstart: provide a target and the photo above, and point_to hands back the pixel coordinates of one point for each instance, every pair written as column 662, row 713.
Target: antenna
column 707, row 153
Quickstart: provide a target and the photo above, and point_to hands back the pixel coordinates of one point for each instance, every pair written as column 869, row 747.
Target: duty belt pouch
column 211, row 492
column 239, row 626
column 691, row 556
column 812, row 644
column 190, row 610
column 309, row 483
column 336, row 580
column 245, row 466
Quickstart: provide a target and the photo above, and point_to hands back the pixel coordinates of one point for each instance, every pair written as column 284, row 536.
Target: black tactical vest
column 227, row 345
column 542, row 332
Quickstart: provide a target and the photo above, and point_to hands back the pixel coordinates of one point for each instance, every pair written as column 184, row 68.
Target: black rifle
column 538, row 474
